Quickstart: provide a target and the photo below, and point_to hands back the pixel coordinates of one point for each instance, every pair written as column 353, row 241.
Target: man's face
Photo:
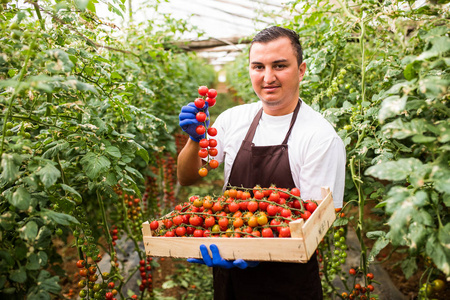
column 275, row 75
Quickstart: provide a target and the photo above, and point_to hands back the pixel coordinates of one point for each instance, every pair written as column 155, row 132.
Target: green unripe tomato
column 58, row 231
column 347, row 86
column 82, row 294
column 9, row 125
column 14, row 26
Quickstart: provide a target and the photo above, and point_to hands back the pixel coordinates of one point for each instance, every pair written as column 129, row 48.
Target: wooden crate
column 305, row 236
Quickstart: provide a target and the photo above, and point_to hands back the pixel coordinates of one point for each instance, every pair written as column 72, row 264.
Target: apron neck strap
column 254, row 125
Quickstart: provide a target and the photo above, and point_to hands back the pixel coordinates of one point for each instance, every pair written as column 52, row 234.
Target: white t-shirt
column 316, row 153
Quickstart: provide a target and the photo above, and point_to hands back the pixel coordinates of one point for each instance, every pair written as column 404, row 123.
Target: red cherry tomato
column 212, row 131
column 212, row 143
column 211, row 101
column 203, row 90
column 295, row 192
column 203, row 153
column 213, row 163
column 199, row 103
column 213, row 151
column 200, row 129
column 267, row 232
column 204, row 143
column 285, row 231
column 201, row 116
column 154, row 225
column 212, row 93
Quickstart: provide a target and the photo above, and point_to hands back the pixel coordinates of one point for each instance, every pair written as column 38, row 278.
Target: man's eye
column 258, row 67
column 280, row 66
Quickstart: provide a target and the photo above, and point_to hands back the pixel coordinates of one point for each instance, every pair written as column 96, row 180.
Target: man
column 278, row 140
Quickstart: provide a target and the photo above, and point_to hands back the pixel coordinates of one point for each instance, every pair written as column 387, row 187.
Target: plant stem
column 14, row 95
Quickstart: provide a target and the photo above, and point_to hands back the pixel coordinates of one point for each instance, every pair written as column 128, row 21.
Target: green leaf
column 29, row 231
column 392, row 106
column 58, row 218
column 94, row 165
column 47, row 283
column 340, row 222
column 440, row 45
column 113, row 151
column 441, row 177
column 438, row 249
column 43, row 258
column 409, row 72
column 21, row 198
column 49, row 175
column 43, row 238
column 33, row 262
column 39, row 295
column 73, row 192
column 10, row 167
column 143, row 153
column 422, row 139
column 56, row 147
column 409, row 266
column 379, row 245
column 18, row 275
column 394, row 170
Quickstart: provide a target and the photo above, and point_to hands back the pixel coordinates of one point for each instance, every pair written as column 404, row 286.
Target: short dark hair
column 272, row 33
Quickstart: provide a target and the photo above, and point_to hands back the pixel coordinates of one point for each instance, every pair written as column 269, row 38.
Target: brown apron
column 266, row 165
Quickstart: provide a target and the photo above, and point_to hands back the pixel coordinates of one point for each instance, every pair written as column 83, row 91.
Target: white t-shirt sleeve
column 324, row 166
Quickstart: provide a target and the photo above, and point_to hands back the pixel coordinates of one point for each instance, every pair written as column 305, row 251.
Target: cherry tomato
column 274, row 197
column 203, row 90
column 209, row 222
column 272, row 210
column 438, row 285
column 199, row 103
column 238, row 222
column 198, row 233
column 81, row 263
column 212, row 93
column 213, row 151
column 267, row 232
column 262, row 219
column 203, row 153
column 204, row 143
column 370, row 276
column 295, row 192
column 200, row 129
column 305, row 215
column 154, row 225
column 214, row 164
column 212, row 142
column 285, row 231
column 352, row 271
column 180, row 231
column 212, row 131
column 252, row 222
column 310, row 206
column 252, row 206
column 211, row 101
column 201, row 116
column 203, row 172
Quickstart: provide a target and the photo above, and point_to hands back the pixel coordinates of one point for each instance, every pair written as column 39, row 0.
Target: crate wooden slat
column 305, row 236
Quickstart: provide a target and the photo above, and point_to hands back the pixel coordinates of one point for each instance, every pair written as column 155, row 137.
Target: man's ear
column 301, row 71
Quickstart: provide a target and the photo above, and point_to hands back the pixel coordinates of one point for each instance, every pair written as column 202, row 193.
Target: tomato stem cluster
column 261, row 212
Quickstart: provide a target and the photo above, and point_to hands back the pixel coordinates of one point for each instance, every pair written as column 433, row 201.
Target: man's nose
column 269, row 75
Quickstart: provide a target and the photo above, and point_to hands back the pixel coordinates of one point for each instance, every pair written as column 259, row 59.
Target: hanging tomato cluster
column 262, row 212
column 208, row 145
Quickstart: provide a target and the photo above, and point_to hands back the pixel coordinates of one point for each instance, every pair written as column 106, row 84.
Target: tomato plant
column 388, row 101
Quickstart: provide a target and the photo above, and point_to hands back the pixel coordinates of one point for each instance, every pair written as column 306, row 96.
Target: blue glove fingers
column 187, row 122
column 205, row 254
column 218, row 260
column 196, row 261
column 242, row 264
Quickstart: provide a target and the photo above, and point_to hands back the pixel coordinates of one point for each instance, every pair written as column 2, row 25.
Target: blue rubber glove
column 189, row 123
column 218, row 261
